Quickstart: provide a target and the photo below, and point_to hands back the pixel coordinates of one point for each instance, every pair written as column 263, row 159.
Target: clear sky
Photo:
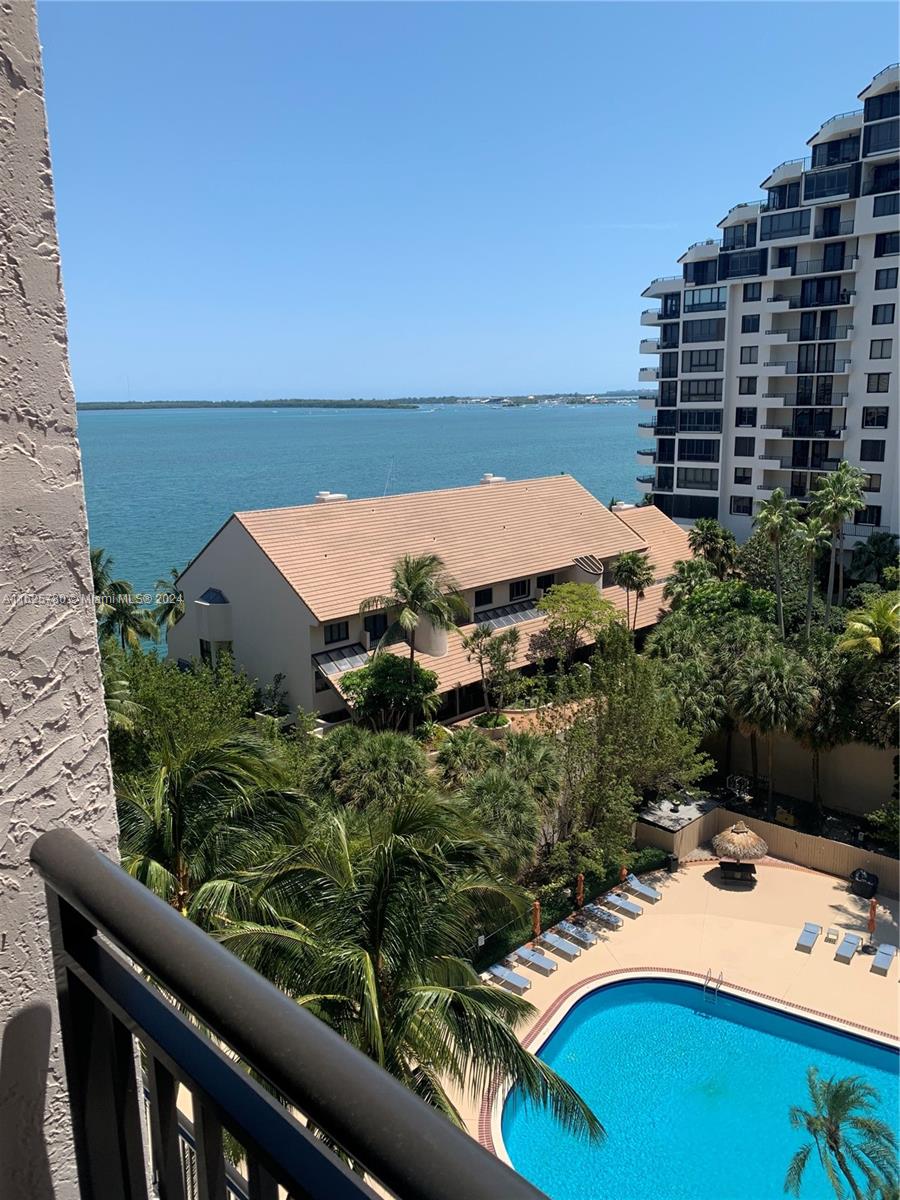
column 300, row 199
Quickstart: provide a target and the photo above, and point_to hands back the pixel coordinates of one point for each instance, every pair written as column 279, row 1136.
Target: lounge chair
column 534, row 958
column 848, row 947
column 882, row 961
column 621, row 904
column 644, row 890
column 560, row 945
column 808, row 937
column 596, row 913
column 501, row 974
column 577, row 933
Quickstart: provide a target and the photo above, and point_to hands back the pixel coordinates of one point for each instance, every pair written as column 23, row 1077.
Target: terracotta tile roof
column 335, row 555
column 666, row 541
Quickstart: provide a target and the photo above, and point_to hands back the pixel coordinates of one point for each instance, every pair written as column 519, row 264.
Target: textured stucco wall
column 54, row 757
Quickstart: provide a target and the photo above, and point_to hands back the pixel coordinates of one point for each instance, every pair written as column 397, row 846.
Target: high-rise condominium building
column 778, row 341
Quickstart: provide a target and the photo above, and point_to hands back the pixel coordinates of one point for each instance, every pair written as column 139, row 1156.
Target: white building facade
column 778, row 348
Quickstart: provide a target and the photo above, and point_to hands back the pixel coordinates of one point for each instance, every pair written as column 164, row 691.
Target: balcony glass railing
column 839, row 333
column 818, row 266
column 840, row 366
column 129, row 968
column 835, row 229
column 793, row 400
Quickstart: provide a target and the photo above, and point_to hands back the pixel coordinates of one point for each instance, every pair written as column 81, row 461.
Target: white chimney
column 621, row 506
column 489, row 477
column 326, row 497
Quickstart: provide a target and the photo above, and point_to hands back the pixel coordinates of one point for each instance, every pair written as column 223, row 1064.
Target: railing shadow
column 24, row 1064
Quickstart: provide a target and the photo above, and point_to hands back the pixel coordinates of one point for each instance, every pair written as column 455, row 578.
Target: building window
column 668, row 394
column 749, row 354
column 883, row 314
column 784, row 224
column 338, row 631
column 752, row 291
column 879, row 108
column 872, row 483
column 747, row 385
column 704, row 479
column 519, row 589
column 871, row 450
column 741, row 506
column 704, row 299
column 880, row 347
column 875, row 417
column 838, row 150
column 545, row 581
column 750, row 324
column 878, row 138
column 743, row 475
column 668, row 365
column 885, row 278
column 703, row 420
column 703, row 331
column 745, row 416
column 887, row 243
column 484, row 597
column 698, row 450
column 703, row 271
column 670, row 305
column 698, row 391
column 744, row 447
column 321, row 683
column 839, row 182
column 786, row 257
column 878, row 383
column 870, row 515
column 375, row 625
column 886, row 206
column 206, row 652
column 701, row 360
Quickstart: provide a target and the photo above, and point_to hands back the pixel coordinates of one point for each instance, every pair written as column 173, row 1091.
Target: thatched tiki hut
column 740, row 844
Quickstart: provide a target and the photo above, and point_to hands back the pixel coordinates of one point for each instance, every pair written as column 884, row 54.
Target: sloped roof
column 334, row 555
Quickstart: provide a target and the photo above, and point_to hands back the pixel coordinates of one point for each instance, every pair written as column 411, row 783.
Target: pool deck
column 747, row 934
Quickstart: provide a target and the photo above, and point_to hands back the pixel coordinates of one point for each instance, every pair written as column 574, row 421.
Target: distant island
column 404, row 402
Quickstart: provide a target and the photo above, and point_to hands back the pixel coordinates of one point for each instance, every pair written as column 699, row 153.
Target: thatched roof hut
column 739, row 843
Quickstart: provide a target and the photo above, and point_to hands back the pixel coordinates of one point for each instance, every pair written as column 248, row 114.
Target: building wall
column 270, row 625
column 54, row 756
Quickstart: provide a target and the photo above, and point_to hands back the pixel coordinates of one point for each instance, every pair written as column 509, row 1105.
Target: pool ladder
column 713, row 985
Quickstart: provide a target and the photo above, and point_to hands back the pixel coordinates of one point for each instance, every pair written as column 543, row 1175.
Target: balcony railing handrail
column 854, row 112
column 419, row 1154
column 843, row 227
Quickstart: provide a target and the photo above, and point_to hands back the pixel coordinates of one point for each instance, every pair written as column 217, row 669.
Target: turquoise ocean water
column 160, row 483
column 694, row 1095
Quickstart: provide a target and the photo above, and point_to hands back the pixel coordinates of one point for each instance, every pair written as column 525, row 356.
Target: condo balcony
column 783, row 301
column 645, row 482
column 834, row 229
column 664, row 284
column 840, row 366
column 820, row 266
column 129, row 969
column 792, row 400
column 645, row 454
column 648, row 374
column 791, row 168
column 649, row 346
column 651, row 316
column 840, row 334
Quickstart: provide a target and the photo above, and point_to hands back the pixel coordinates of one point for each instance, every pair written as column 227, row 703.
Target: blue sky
column 300, row 199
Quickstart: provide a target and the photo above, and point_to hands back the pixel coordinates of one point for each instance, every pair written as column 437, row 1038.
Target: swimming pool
column 694, row 1094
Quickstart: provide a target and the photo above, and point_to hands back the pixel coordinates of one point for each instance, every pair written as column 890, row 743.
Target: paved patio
column 747, row 934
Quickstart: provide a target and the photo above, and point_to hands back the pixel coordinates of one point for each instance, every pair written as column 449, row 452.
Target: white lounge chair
column 881, row 963
column 560, row 945
column 622, row 904
column 644, row 890
column 808, row 937
column 604, row 916
column 848, row 947
column 577, row 933
column 501, row 974
column 534, row 958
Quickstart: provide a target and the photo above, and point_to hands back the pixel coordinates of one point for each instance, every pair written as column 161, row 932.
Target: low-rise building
column 280, row 589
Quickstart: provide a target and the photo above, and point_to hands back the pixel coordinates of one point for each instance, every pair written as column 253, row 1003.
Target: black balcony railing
column 646, row 478
column 835, row 434
column 793, row 400
column 843, row 298
column 819, row 266
column 840, row 366
column 840, row 229
column 838, row 334
column 110, row 937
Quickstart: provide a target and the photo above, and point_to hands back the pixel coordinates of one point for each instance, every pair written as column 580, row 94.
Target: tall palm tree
column 687, row 575
column 777, row 519
column 826, row 722
column 367, row 923
column 847, row 1136
column 117, row 614
column 122, row 711
column 195, row 818
column 169, row 612
column 714, row 543
column 633, row 572
column 771, row 690
column 814, row 537
column 835, row 498
column 874, row 630
column 421, row 590
column 871, row 557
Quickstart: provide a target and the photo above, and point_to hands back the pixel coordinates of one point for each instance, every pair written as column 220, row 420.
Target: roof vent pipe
column 489, row 477
column 326, row 497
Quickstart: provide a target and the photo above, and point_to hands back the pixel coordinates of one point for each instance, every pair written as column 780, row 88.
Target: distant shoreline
column 403, row 404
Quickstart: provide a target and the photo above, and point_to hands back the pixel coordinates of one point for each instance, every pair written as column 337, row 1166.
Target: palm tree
column 465, row 753
column 777, row 519
column 836, row 497
column 420, row 590
column 122, row 711
column 367, row 923
column 871, row 557
column 532, row 760
column 814, row 537
column 633, row 572
column 826, row 722
column 117, row 614
column 370, row 769
column 874, row 630
column 687, row 575
column 847, row 1136
column 169, row 612
column 196, row 816
column 770, row 690
column 711, row 541
column 511, row 812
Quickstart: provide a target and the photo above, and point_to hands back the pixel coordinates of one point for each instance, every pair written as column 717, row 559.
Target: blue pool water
column 693, row 1093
